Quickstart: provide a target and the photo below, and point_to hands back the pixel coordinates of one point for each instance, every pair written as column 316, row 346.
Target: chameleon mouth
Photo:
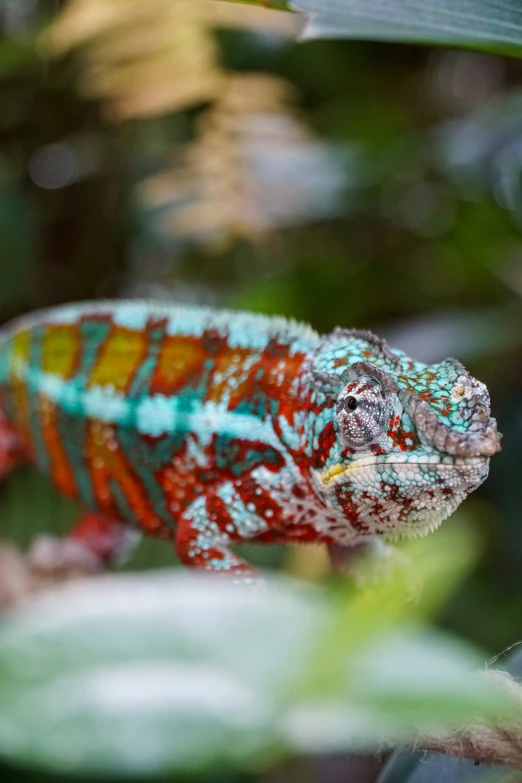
column 337, row 474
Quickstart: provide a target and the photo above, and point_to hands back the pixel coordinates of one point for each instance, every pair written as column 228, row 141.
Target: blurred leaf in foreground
column 170, row 672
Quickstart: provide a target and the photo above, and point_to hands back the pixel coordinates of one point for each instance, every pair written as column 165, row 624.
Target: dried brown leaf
column 140, row 58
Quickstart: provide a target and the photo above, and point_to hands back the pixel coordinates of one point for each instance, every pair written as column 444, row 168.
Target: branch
column 485, row 744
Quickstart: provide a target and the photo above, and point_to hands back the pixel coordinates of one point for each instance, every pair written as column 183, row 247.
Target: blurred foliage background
column 181, row 150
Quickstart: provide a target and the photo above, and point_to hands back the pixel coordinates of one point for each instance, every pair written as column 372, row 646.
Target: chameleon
column 210, row 427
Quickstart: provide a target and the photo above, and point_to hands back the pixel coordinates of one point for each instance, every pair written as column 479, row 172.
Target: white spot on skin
column 105, row 404
column 51, row 386
column 156, row 415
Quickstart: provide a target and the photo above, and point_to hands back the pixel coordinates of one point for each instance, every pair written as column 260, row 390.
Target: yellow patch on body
column 120, row 358
column 60, row 347
column 20, row 354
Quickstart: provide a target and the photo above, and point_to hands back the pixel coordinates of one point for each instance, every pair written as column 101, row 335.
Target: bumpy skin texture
column 210, row 427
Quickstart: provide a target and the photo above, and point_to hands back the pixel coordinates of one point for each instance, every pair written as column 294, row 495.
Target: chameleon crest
column 209, row 427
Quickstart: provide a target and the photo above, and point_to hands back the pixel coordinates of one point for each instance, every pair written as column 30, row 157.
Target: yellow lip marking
column 326, row 476
column 433, row 461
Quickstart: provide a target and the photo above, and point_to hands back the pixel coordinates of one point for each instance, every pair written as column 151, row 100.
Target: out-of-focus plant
column 161, row 57
column 253, row 168
column 164, row 673
column 483, row 153
column 141, row 59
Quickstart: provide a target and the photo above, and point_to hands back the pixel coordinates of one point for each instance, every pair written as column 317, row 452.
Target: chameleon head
column 408, row 442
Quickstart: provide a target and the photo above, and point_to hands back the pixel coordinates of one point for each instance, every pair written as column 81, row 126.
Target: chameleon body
column 210, row 427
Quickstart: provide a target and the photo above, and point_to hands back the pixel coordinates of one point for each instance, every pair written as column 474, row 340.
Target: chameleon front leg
column 210, row 525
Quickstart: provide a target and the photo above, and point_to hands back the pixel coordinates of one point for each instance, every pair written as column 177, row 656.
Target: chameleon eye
column 350, row 404
column 363, row 411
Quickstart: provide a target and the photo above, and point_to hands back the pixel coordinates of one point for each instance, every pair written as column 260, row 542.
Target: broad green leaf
column 142, row 675
column 492, row 25
column 170, row 673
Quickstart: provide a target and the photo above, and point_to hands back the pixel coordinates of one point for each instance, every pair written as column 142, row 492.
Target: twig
column 490, row 744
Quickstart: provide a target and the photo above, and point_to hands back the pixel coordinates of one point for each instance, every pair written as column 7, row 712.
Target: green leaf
column 171, row 673
column 142, row 675
column 491, row 25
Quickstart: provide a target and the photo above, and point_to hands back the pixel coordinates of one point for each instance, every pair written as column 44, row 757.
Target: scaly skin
column 210, row 427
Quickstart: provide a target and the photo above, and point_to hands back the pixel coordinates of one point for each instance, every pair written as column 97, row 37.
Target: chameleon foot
column 374, row 564
column 62, row 558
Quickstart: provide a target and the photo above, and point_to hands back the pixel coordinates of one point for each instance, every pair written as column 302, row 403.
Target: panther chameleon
column 210, row 427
